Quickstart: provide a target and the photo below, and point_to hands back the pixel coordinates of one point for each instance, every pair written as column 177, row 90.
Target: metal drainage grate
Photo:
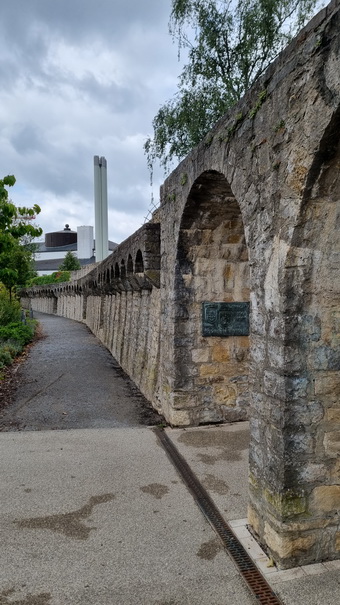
column 251, row 574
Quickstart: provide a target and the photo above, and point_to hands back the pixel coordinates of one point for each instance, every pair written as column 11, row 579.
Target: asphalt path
column 70, row 380
column 97, row 514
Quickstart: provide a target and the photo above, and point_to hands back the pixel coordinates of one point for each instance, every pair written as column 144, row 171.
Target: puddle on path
column 209, row 550
column 212, row 483
column 157, row 490
column 229, row 444
column 39, row 599
column 69, row 524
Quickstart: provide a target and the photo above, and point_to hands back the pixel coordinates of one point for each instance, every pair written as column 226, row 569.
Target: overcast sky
column 81, row 78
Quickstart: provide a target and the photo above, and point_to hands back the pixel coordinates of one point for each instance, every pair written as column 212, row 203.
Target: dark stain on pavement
column 69, row 524
column 157, row 490
column 229, row 444
column 213, row 484
column 209, row 550
column 39, row 599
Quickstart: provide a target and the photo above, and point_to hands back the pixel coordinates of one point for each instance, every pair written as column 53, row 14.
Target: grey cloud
column 27, row 138
column 80, row 19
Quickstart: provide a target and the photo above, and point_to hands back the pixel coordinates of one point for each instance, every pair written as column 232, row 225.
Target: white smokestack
column 84, row 241
column 100, row 208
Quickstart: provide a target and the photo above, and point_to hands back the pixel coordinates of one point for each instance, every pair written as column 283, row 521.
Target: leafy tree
column 16, row 233
column 230, row 43
column 70, row 263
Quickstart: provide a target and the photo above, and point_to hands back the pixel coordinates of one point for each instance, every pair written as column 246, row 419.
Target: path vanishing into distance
column 93, row 511
column 70, row 381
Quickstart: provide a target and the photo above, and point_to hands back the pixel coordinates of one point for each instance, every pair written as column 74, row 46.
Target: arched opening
column 139, row 263
column 211, row 331
column 300, row 411
column 107, row 276
column 112, row 272
column 129, row 266
column 122, row 268
column 117, row 272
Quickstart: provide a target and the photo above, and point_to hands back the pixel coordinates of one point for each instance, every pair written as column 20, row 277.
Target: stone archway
column 295, row 491
column 211, row 370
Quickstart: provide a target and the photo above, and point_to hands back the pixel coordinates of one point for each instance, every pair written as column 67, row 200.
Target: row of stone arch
column 124, row 269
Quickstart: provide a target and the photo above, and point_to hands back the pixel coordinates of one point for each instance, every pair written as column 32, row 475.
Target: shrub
column 5, row 357
column 18, row 332
column 55, row 278
column 9, row 309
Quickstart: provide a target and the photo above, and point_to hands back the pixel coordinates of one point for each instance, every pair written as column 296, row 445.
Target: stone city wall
column 250, row 219
column 119, row 300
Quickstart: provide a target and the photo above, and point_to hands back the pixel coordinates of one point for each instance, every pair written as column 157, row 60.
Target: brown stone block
column 337, row 540
column 224, row 394
column 326, row 499
column 184, row 401
column 221, row 352
column 234, row 238
column 208, row 369
column 287, row 546
column 335, row 472
column 229, row 271
column 332, row 443
column 328, row 383
column 333, row 415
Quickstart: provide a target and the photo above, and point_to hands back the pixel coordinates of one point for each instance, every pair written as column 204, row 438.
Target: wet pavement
column 98, row 514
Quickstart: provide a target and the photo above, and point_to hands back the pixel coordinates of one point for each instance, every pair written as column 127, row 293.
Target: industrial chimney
column 100, row 208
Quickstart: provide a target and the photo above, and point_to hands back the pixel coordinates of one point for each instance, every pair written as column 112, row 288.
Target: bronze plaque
column 225, row 319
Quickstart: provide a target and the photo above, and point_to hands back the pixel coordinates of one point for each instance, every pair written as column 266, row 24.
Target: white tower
column 100, row 208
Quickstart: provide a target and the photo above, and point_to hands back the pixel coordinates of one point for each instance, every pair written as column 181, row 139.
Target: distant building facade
column 51, row 252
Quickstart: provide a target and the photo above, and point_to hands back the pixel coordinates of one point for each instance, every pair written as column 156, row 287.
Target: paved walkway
column 71, row 381
column 100, row 516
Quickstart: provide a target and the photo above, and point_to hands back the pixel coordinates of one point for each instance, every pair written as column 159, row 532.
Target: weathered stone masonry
column 252, row 214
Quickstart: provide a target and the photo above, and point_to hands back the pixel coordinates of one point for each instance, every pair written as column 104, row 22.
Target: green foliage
column 17, row 332
column 16, row 233
column 55, row 278
column 260, row 100
column 70, row 263
column 14, row 335
column 5, row 357
column 9, row 310
column 229, row 44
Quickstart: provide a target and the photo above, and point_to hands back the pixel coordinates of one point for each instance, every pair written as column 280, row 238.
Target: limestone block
column 200, row 355
column 179, row 418
column 325, row 499
column 253, row 519
column 328, row 383
column 335, row 472
column 313, row 472
column 208, row 369
column 287, row 546
column 184, row 400
column 333, row 415
column 274, row 385
column 332, row 443
column 221, row 352
column 225, row 394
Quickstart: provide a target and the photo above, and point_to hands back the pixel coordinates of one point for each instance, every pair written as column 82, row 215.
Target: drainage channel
column 251, row 574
